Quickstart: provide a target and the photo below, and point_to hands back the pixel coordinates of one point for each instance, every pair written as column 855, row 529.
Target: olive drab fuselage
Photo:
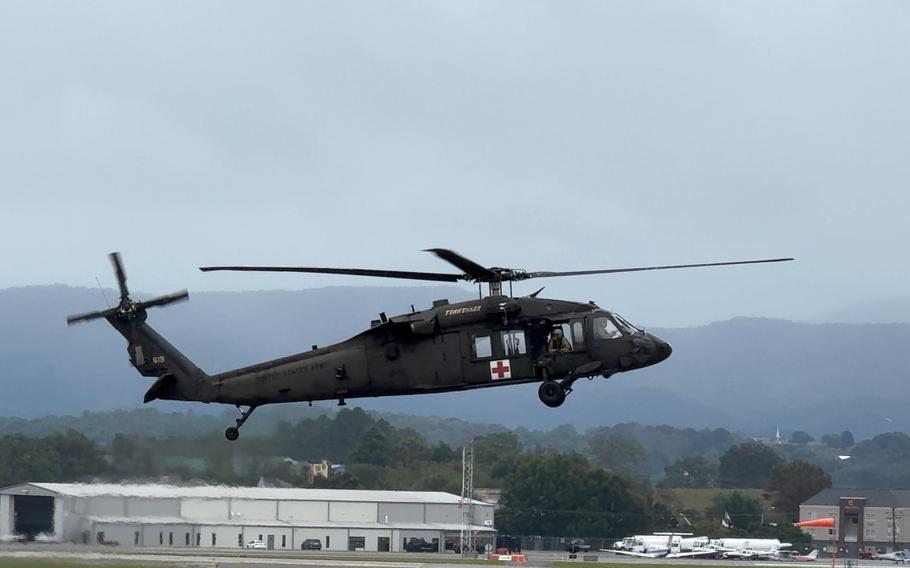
column 493, row 341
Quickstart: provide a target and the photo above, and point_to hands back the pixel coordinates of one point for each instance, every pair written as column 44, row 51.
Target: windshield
column 625, row 325
column 613, row 327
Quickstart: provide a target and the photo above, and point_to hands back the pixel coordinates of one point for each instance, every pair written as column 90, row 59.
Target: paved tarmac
column 219, row 558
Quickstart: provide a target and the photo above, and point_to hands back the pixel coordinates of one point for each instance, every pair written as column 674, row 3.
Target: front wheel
column 232, row 433
column 551, row 394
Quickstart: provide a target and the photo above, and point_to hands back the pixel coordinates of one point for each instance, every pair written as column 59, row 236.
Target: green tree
column 409, row 447
column 800, row 437
column 495, row 446
column 747, row 465
column 840, row 441
column 67, row 456
column 793, row 482
column 690, row 471
column 745, row 511
column 374, row 448
column 616, row 453
column 846, row 439
column 561, row 494
column 76, row 455
column 442, row 452
column 131, row 457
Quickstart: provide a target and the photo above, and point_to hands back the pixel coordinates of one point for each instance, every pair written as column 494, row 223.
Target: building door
column 851, row 527
column 384, row 544
column 33, row 515
column 271, row 543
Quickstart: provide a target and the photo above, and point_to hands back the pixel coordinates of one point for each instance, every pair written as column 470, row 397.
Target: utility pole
column 467, row 499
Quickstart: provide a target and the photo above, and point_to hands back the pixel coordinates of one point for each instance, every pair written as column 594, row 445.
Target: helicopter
column 495, row 340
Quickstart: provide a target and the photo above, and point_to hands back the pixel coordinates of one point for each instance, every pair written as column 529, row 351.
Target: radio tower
column 467, row 499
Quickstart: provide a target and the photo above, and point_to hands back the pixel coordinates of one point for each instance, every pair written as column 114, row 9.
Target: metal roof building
column 229, row 517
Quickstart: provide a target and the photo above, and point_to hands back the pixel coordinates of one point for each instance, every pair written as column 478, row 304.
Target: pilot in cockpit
column 604, row 328
column 558, row 342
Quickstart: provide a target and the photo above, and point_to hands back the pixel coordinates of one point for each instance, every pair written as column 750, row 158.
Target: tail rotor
column 127, row 309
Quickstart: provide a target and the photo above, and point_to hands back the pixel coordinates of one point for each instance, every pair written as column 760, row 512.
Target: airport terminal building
column 229, row 517
column 864, row 519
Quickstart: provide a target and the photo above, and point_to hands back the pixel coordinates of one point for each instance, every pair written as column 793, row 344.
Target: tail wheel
column 551, row 394
column 232, row 433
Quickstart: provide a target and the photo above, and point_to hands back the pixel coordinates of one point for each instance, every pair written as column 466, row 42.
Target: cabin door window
column 513, row 342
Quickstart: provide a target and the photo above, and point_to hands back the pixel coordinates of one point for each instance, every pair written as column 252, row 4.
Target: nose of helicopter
column 662, row 349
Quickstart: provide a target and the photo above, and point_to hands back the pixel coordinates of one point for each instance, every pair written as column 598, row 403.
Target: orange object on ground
column 818, row 523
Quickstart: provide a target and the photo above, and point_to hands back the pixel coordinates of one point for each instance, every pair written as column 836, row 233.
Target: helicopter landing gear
column 233, row 432
column 551, row 393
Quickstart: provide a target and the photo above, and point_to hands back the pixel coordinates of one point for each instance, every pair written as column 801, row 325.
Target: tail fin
column 813, row 555
column 151, row 354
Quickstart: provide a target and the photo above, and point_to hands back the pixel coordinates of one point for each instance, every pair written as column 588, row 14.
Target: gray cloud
column 545, row 135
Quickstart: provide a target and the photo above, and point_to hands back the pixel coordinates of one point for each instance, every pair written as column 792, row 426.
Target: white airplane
column 811, row 557
column 663, row 545
column 898, row 557
column 749, row 548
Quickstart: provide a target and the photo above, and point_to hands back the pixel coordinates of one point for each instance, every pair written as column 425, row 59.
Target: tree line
column 600, row 491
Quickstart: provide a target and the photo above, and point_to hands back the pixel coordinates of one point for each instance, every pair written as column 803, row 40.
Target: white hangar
column 229, row 517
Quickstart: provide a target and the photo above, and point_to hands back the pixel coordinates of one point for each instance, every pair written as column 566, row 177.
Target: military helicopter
column 495, row 340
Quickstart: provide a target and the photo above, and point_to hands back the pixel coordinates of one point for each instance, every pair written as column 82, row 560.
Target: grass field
column 11, row 563
column 701, row 499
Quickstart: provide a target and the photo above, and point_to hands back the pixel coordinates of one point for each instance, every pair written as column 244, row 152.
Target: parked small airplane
column 749, row 548
column 898, row 556
column 811, row 557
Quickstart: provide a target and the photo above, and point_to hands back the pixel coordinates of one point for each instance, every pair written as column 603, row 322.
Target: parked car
column 577, row 545
column 419, row 545
column 256, row 544
column 311, row 544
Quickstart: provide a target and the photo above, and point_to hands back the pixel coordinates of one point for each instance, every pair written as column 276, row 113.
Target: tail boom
column 178, row 378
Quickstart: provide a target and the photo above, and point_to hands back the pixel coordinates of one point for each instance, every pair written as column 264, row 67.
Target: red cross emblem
column 500, row 370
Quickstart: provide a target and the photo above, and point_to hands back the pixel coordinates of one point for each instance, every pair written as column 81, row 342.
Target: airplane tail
column 813, row 555
column 178, row 378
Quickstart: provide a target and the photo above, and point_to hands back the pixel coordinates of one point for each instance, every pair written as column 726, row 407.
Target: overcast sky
column 541, row 135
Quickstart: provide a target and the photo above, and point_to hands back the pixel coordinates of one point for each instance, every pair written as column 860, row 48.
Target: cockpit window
column 604, row 328
column 625, row 325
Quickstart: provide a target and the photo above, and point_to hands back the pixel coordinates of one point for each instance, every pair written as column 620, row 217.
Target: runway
column 211, row 558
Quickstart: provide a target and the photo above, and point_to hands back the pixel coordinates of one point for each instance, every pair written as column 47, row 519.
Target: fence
column 550, row 543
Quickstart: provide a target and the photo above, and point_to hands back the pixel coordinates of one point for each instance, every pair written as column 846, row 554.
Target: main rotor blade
column 471, row 268
column 163, row 300
column 643, row 268
column 431, row 276
column 121, row 274
column 87, row 316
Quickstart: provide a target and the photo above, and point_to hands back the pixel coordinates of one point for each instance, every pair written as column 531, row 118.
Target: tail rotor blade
column 88, row 316
column 163, row 300
column 121, row 274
